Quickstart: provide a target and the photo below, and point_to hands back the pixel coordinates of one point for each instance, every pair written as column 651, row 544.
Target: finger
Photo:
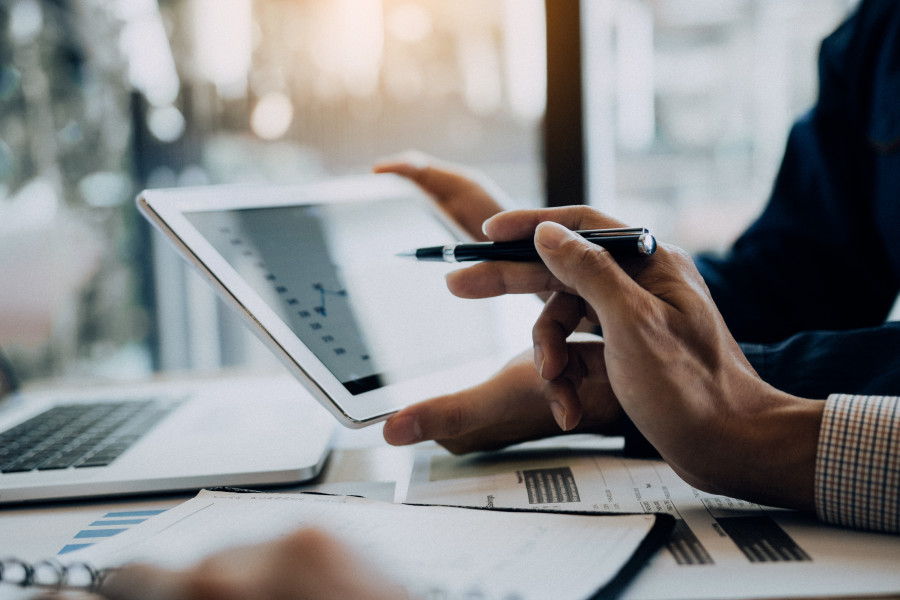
column 405, row 163
column 467, row 197
column 143, row 582
column 489, row 279
column 445, row 417
column 560, row 316
column 569, row 399
column 311, row 563
column 564, row 403
column 562, row 392
column 520, row 224
column 590, row 271
column 508, row 408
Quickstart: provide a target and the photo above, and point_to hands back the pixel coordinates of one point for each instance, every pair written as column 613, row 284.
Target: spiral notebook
column 451, row 551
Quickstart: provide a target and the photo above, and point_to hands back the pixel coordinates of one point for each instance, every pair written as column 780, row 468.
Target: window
column 689, row 103
column 149, row 93
column 682, row 108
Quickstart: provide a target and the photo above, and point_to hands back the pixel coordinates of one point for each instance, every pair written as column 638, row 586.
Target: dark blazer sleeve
column 807, row 288
column 816, row 364
column 825, row 253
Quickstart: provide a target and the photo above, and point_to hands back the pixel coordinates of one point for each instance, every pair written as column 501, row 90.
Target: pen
column 636, row 241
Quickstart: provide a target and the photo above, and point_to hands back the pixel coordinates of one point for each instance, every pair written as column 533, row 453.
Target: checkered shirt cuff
column 858, row 462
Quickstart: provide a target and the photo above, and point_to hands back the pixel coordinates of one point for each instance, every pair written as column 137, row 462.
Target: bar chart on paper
column 617, row 485
column 112, row 523
column 720, row 547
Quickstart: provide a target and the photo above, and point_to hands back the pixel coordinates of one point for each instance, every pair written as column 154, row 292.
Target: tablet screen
column 331, row 273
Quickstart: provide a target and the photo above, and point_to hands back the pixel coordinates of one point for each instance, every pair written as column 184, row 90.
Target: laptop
column 317, row 273
column 157, row 436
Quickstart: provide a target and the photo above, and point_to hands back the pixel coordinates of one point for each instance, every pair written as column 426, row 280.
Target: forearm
column 839, row 458
column 762, row 448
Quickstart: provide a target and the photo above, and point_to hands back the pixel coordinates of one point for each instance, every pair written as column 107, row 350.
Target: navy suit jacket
column 807, row 288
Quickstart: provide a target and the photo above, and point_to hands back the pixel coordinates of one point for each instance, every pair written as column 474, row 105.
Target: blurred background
column 667, row 113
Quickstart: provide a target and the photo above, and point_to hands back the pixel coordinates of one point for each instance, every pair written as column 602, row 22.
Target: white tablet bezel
column 165, row 209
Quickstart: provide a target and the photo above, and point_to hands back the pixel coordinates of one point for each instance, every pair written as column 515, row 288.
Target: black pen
column 636, row 241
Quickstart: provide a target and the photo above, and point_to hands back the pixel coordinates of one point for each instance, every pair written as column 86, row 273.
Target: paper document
column 485, row 554
column 720, row 548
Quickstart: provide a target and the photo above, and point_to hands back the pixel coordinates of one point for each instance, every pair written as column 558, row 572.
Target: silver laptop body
column 241, row 431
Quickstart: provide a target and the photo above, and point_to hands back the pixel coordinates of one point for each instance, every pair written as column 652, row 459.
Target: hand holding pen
column 635, row 241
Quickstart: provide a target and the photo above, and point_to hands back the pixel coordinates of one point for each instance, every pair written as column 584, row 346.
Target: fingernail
column 484, row 226
column 551, row 235
column 402, row 430
column 416, row 160
column 559, row 413
column 539, row 360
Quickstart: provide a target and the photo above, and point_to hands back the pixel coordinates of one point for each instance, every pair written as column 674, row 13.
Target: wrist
column 780, row 439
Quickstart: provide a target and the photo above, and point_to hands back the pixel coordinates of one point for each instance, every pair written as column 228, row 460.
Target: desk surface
column 361, row 459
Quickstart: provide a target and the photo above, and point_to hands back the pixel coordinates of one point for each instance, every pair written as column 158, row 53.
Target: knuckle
column 487, row 279
column 551, row 283
column 679, row 257
column 457, row 421
column 585, row 257
column 310, row 546
column 589, row 217
column 539, row 330
column 453, row 421
column 305, row 540
column 455, row 447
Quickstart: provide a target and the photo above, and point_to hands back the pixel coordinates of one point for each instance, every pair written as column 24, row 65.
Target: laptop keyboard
column 79, row 435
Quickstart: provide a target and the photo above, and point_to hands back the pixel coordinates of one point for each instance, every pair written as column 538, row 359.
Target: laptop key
column 80, row 435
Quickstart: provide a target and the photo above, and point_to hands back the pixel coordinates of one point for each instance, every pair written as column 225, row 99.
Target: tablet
column 313, row 270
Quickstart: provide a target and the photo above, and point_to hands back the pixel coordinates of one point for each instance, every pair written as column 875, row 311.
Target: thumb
column 586, row 268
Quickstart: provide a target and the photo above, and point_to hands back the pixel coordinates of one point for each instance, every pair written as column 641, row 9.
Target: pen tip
column 407, row 254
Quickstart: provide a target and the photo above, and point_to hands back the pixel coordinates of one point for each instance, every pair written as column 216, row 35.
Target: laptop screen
column 8, row 381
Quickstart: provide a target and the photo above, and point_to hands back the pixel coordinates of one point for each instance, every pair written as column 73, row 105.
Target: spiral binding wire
column 80, row 576
column 51, row 574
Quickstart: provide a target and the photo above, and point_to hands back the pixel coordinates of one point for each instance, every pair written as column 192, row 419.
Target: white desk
column 363, row 463
column 360, row 459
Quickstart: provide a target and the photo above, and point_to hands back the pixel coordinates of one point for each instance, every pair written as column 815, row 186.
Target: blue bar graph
column 112, row 523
